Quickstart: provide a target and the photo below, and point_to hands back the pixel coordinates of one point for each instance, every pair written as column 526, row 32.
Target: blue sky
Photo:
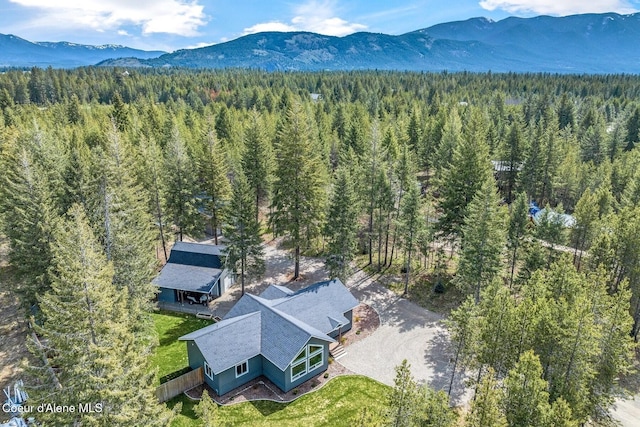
column 174, row 24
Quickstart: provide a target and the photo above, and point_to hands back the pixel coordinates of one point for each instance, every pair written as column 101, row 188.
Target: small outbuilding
column 194, row 273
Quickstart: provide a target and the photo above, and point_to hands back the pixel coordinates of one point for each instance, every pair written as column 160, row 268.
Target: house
column 194, row 273
column 281, row 334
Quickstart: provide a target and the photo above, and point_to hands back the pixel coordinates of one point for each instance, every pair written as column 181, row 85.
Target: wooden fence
column 174, row 387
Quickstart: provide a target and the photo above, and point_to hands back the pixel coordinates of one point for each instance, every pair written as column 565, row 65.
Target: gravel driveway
column 407, row 331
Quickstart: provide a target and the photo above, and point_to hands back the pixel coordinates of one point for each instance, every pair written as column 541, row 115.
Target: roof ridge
column 288, row 318
column 216, row 326
column 299, row 292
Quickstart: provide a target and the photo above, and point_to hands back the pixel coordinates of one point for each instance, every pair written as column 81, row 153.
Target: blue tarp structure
column 538, row 214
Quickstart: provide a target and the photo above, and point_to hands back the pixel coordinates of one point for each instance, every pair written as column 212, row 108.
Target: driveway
column 407, row 331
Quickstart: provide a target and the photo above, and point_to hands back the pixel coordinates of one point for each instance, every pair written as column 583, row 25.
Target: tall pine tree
column 483, row 240
column 86, row 318
column 341, row 227
column 244, row 245
column 298, row 191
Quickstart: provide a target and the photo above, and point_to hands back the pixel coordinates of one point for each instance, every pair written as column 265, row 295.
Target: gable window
column 310, row 358
column 316, row 356
column 207, row 370
column 242, row 368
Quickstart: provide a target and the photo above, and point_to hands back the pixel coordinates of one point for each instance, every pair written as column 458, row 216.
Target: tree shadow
column 267, row 407
column 440, row 358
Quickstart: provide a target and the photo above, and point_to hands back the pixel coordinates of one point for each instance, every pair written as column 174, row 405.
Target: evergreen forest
column 427, row 176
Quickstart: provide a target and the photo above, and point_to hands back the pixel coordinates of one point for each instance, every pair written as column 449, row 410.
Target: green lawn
column 336, row 404
column 171, row 354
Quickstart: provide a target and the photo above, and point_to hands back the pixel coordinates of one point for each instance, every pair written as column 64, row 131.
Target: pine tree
column 151, row 179
column 207, row 411
column 384, row 208
column 244, row 248
column 517, row 231
column 298, row 191
column 124, row 226
column 513, row 153
column 586, row 215
column 463, row 177
column 85, row 319
column 497, row 326
column 74, row 110
column 463, row 332
column 120, row 113
column 257, row 160
column 29, row 214
column 526, row 400
column 181, row 187
column 409, row 226
column 433, row 409
column 404, row 173
column 341, row 226
column 483, row 241
column 77, row 174
column 551, row 157
column 451, row 138
column 633, row 129
column 402, row 398
column 487, row 403
column 566, row 116
column 559, row 415
column 214, row 181
column 373, row 160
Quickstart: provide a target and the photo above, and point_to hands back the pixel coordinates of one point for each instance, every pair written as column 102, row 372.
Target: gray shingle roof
column 275, row 292
column 321, row 306
column 229, row 342
column 287, row 320
column 282, row 334
column 187, row 277
column 198, row 248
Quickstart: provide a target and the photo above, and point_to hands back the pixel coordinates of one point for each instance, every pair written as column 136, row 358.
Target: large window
column 309, row 359
column 242, row 368
column 207, row 370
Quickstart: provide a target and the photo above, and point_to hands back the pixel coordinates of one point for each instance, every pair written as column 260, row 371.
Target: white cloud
column 269, row 26
column 315, row 16
column 559, row 7
column 123, row 33
column 181, row 17
column 199, row 45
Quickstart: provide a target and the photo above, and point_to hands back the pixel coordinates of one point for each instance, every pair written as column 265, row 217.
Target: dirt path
column 12, row 326
column 278, row 271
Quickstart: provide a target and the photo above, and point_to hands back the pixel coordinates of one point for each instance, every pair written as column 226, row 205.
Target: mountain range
column 18, row 52
column 586, row 43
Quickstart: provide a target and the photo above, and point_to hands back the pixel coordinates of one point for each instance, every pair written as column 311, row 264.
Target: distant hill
column 18, row 52
column 588, row 43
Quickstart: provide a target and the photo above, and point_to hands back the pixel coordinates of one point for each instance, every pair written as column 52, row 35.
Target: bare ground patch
column 12, row 325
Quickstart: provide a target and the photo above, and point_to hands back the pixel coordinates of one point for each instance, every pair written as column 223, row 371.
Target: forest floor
column 12, row 325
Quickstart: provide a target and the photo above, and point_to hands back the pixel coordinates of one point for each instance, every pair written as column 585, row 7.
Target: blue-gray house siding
column 196, row 360
column 167, row 295
column 284, row 336
column 195, row 259
column 226, row 381
column 344, row 328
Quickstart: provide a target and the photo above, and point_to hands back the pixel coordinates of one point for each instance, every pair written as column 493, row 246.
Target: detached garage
column 194, row 273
